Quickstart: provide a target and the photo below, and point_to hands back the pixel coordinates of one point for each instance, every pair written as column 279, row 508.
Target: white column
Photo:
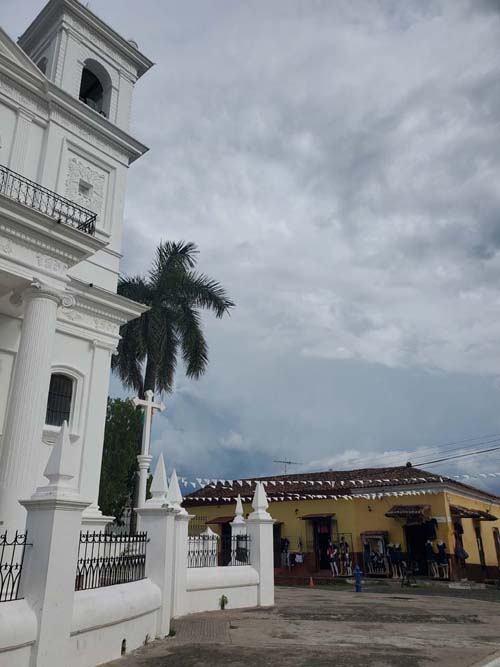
column 27, row 407
column 48, row 576
column 260, row 531
column 180, row 563
column 157, row 519
column 144, row 461
column 181, row 543
column 95, row 422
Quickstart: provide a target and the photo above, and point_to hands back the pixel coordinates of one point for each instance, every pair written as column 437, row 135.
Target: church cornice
column 91, row 126
column 30, row 238
column 98, row 310
column 56, row 10
column 50, row 102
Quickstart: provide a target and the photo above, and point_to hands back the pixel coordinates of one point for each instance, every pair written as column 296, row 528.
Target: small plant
column 223, row 602
column 171, row 633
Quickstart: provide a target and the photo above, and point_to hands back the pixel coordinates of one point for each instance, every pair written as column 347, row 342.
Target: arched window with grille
column 59, row 400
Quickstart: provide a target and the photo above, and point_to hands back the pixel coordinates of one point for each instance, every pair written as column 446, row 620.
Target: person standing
column 332, row 553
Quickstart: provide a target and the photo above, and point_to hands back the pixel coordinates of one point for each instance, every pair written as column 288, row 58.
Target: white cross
column 144, row 459
column 148, row 406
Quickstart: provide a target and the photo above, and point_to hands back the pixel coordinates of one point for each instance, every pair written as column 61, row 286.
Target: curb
column 491, row 661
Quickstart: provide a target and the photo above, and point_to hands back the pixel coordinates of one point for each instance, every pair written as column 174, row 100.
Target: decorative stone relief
column 51, row 264
column 85, row 185
column 105, row 325
column 88, row 316
column 23, row 241
column 6, row 246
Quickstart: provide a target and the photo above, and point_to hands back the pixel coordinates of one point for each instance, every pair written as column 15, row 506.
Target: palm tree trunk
column 149, row 383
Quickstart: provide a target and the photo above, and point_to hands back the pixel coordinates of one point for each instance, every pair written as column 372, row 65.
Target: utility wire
column 427, row 451
column 460, row 456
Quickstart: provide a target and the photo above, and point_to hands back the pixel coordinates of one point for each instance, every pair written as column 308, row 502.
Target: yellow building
column 373, row 517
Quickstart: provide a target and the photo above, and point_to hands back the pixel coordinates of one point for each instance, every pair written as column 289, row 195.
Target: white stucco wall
column 18, row 631
column 206, row 585
column 104, row 617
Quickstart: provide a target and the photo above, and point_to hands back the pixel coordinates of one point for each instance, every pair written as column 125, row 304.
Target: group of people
column 392, row 562
column 438, row 561
column 339, row 558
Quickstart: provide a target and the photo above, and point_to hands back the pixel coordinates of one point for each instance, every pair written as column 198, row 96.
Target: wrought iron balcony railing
column 21, row 189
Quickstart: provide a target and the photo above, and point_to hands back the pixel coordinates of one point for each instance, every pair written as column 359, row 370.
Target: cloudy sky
column 337, row 164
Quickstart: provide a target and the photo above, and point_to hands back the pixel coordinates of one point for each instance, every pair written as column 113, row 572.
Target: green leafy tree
column 150, row 346
column 123, row 429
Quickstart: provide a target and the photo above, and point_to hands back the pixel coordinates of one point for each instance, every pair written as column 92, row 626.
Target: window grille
column 59, row 400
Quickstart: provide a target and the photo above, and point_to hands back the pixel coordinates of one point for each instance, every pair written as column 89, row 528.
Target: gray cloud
column 336, row 162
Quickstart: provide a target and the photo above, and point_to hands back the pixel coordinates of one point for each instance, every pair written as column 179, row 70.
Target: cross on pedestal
column 148, row 406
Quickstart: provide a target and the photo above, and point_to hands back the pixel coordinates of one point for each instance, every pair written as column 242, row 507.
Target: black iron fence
column 11, row 564
column 213, row 551
column 35, row 196
column 109, row 559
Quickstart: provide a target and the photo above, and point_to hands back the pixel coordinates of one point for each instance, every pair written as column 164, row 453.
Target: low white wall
column 206, row 585
column 18, row 631
column 104, row 617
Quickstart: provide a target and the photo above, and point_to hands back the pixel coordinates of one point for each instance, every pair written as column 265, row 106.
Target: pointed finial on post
column 159, row 485
column 60, row 469
column 260, row 503
column 238, row 514
column 174, row 495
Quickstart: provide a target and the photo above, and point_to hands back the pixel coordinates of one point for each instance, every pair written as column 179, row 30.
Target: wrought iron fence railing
column 213, row 551
column 106, row 559
column 11, row 564
column 21, row 189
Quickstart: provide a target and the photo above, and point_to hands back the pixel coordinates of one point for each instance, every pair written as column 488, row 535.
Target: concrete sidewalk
column 323, row 627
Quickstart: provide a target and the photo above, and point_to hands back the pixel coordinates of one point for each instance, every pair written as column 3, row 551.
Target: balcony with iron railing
column 31, row 194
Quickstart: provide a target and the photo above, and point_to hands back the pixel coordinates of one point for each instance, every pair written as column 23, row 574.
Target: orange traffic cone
column 311, row 582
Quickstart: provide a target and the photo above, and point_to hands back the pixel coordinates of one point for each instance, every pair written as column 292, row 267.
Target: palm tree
column 150, row 345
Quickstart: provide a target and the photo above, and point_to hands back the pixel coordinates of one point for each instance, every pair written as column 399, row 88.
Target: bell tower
column 81, row 54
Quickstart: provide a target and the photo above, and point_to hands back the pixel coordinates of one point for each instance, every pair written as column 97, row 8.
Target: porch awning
column 316, row 516
column 219, row 520
column 408, row 511
column 466, row 513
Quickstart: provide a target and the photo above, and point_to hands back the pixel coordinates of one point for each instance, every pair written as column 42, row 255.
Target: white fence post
column 181, row 524
column 238, row 524
column 49, row 570
column 238, row 530
column 157, row 519
column 260, row 531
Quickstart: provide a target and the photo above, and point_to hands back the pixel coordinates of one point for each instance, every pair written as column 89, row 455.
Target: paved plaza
column 320, row 627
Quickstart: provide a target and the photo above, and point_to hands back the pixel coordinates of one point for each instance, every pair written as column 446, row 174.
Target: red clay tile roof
column 467, row 513
column 405, row 511
column 328, row 483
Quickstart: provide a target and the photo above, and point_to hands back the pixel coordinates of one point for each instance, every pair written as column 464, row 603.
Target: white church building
column 66, row 93
column 71, row 593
